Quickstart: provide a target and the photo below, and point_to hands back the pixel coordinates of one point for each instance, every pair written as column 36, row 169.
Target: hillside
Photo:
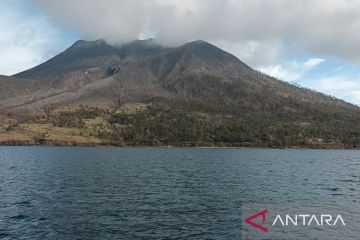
column 141, row 93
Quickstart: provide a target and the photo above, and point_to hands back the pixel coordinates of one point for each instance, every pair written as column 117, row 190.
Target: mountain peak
column 88, row 44
column 199, row 41
column 81, row 55
column 149, row 41
column 89, row 54
column 194, row 78
column 209, row 53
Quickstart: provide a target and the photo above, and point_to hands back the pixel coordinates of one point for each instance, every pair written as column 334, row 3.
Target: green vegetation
column 179, row 125
column 191, row 124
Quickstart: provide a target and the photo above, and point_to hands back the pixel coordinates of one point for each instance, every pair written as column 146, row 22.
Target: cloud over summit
column 321, row 27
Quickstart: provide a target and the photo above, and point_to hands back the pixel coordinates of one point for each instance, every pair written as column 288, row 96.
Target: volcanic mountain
column 146, row 94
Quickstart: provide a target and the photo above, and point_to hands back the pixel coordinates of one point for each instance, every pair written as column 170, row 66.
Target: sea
column 82, row 193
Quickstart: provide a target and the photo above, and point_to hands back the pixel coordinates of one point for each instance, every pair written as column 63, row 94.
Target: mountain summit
column 197, row 84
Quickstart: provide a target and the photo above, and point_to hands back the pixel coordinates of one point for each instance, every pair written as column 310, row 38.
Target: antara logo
column 260, row 226
column 294, row 220
column 308, row 220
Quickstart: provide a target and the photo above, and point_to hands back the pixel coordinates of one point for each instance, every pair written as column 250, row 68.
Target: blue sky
column 317, row 50
column 29, row 36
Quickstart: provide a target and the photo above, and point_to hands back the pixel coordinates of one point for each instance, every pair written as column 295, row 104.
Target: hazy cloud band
column 320, row 27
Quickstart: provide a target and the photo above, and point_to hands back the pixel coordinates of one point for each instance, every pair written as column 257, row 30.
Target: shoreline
column 195, row 146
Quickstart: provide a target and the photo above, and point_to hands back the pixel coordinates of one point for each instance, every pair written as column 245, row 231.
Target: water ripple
column 158, row 193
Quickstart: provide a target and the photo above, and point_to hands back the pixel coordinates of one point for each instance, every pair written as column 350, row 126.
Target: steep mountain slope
column 99, row 73
column 216, row 97
column 81, row 55
column 92, row 54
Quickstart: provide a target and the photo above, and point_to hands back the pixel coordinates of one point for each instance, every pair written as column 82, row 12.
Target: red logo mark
column 261, row 214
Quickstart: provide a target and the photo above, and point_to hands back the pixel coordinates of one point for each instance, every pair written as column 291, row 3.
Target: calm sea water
column 159, row 193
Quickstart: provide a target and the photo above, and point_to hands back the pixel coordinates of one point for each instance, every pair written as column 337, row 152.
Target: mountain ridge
column 143, row 79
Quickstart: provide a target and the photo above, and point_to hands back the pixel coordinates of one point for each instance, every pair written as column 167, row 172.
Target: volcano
column 145, row 94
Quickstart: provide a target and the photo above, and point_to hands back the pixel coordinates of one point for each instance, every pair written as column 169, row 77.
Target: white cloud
column 26, row 39
column 313, row 62
column 339, row 83
column 355, row 97
column 254, row 53
column 325, row 28
column 293, row 70
column 341, row 86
